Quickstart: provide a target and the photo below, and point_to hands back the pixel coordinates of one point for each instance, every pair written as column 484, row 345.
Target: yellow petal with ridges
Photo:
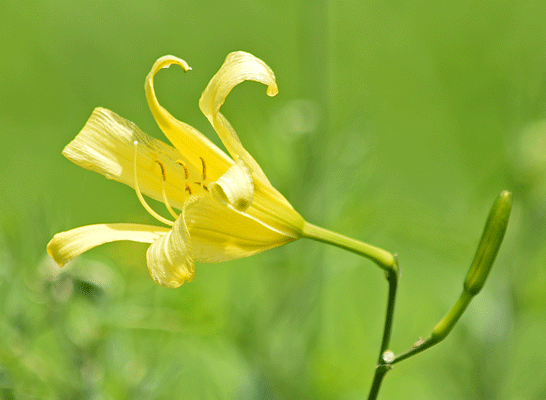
column 106, row 145
column 270, row 207
column 170, row 259
column 219, row 233
column 66, row 245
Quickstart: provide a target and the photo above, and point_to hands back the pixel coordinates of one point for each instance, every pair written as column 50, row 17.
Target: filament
column 139, row 195
column 165, row 200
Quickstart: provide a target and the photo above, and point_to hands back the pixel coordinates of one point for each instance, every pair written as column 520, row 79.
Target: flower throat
column 201, row 184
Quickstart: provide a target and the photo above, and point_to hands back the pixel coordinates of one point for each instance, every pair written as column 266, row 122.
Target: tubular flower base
column 227, row 207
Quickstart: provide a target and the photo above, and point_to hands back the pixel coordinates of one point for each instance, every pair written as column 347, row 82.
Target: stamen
column 162, row 170
column 165, row 199
column 204, row 168
column 139, row 195
column 186, row 172
column 187, row 175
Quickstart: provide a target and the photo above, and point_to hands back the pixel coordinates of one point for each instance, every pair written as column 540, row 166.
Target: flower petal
column 106, row 145
column 238, row 67
column 235, row 187
column 170, row 259
column 67, row 245
column 273, row 210
column 219, row 233
column 188, row 140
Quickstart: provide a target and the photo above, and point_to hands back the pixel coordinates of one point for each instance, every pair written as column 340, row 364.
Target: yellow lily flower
column 228, row 208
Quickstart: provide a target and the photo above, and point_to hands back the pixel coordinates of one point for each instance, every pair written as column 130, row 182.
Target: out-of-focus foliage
column 397, row 123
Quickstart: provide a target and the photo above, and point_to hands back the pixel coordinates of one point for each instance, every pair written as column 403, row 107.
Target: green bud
column 492, row 236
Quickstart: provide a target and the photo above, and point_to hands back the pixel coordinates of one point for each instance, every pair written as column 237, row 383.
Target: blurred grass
column 397, row 123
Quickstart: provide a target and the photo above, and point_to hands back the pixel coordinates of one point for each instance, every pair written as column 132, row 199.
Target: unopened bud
column 492, row 236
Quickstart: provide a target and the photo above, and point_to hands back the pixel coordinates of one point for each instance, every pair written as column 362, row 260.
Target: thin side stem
column 441, row 330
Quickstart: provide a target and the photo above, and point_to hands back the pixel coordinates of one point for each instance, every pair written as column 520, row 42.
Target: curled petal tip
column 235, row 187
column 167, row 61
column 170, row 257
column 238, row 67
column 52, row 250
column 272, row 90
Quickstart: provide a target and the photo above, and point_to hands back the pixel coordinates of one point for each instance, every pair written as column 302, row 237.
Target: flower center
column 202, row 186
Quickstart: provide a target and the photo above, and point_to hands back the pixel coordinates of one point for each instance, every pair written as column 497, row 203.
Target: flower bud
column 492, row 236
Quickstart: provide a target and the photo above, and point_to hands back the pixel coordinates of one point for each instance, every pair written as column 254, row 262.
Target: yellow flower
column 228, row 208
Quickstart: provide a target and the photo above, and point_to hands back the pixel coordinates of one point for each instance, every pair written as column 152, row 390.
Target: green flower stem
column 389, row 264
column 380, row 371
column 392, row 278
column 383, row 366
column 488, row 247
column 383, row 258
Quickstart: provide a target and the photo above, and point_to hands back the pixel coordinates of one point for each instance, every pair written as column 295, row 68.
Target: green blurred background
column 397, row 123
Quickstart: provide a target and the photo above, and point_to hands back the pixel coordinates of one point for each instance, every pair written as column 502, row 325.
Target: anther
column 186, row 172
column 139, row 195
column 204, row 168
column 162, row 166
column 188, row 189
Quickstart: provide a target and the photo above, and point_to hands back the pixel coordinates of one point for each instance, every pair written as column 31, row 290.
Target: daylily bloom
column 227, row 207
